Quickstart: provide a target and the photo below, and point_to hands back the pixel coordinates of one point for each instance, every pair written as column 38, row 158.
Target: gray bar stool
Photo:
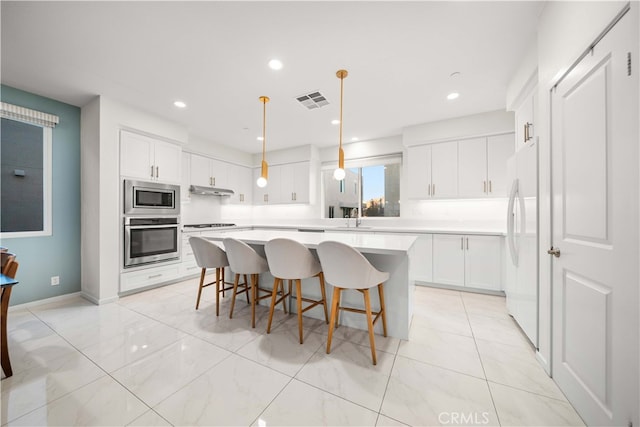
column 243, row 259
column 346, row 268
column 292, row 261
column 210, row 255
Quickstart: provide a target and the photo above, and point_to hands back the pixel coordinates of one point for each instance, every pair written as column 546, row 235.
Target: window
column 25, row 167
column 370, row 188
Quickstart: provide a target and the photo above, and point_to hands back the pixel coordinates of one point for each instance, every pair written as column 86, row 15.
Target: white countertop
column 363, row 242
column 429, row 229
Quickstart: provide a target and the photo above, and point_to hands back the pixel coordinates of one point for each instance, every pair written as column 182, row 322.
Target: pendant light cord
column 264, row 126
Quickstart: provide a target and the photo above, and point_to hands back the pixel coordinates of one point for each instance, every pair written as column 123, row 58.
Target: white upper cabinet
column 294, row 182
column 150, row 159
column 287, row 184
column 499, row 149
column 444, row 170
column 433, row 171
column 482, row 167
column 208, row 172
column 460, row 169
column 472, row 168
column 525, row 120
column 419, row 172
column 186, row 177
column 241, row 183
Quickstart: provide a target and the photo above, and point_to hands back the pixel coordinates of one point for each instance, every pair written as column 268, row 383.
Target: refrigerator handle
column 511, row 235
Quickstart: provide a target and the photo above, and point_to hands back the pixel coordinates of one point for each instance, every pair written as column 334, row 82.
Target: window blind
column 23, row 114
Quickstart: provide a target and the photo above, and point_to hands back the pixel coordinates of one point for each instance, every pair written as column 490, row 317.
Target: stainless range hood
column 210, row 191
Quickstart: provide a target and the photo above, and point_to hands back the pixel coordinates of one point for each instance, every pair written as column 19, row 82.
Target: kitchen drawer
column 189, row 268
column 151, row 276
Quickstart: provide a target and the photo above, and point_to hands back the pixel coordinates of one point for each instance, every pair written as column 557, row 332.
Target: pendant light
column 339, row 173
column 264, row 170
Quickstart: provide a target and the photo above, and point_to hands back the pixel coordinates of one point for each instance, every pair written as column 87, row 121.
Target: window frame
column 47, row 185
column 359, row 163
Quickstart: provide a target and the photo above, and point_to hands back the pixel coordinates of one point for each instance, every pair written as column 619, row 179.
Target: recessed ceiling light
column 259, row 138
column 453, row 95
column 354, row 139
column 335, row 122
column 275, row 64
column 180, row 104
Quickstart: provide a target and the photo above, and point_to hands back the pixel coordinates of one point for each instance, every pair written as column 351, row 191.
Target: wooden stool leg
column 334, row 311
column 338, row 313
column 233, row 296
column 284, row 304
column 324, row 296
column 222, row 278
column 218, row 291
column 274, row 295
column 200, row 287
column 299, row 306
column 382, row 309
column 4, row 346
column 254, row 297
column 367, row 309
column 246, row 282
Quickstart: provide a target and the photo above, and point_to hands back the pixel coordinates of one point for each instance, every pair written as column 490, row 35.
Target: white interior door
column 595, row 227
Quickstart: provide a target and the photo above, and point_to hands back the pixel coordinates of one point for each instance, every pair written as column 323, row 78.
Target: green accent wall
column 59, row 254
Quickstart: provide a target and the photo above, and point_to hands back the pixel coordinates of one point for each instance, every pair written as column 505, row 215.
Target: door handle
column 554, row 251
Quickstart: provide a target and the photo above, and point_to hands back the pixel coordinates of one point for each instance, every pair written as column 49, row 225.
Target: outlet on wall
column 55, row 280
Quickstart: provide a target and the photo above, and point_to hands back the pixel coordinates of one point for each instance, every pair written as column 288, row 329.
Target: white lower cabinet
column 138, row 279
column 188, row 266
column 468, row 260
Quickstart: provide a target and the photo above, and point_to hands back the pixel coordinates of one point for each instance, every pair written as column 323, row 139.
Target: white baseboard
column 97, row 301
column 45, row 301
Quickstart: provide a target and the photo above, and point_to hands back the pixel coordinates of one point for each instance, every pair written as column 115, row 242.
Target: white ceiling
column 214, row 55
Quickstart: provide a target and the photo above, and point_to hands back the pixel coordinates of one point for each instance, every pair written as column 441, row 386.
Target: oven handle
column 136, row 227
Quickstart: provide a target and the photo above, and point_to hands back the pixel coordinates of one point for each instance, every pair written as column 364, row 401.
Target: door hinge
column 628, row 63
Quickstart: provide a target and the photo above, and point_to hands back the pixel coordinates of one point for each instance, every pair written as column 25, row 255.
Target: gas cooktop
column 208, row 225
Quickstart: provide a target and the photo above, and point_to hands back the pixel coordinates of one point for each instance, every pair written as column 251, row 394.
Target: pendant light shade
column 264, row 169
column 339, row 173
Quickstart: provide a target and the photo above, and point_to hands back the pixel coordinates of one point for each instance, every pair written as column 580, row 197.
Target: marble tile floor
column 151, row 359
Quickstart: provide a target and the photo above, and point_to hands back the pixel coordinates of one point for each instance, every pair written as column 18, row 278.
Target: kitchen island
column 390, row 253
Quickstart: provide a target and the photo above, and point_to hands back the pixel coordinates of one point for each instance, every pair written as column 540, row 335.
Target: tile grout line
column 481, row 362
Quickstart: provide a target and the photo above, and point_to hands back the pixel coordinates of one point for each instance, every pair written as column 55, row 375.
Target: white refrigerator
column 522, row 240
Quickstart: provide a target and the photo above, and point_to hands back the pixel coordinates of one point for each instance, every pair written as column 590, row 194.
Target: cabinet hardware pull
column 433, row 192
column 462, row 243
column 214, row 181
column 484, row 186
column 490, row 190
column 153, row 276
column 526, row 133
column 428, row 189
column 151, row 171
column 467, row 243
column 157, row 171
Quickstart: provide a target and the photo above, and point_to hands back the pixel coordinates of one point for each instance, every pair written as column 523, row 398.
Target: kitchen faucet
column 354, row 214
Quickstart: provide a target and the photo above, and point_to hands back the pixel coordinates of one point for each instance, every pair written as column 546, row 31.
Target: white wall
column 482, row 124
column 221, row 152
column 565, row 31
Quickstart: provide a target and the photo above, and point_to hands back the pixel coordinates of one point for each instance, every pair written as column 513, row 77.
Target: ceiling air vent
column 312, row 100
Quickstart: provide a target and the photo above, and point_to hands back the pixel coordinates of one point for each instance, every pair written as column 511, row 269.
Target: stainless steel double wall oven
column 151, row 222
